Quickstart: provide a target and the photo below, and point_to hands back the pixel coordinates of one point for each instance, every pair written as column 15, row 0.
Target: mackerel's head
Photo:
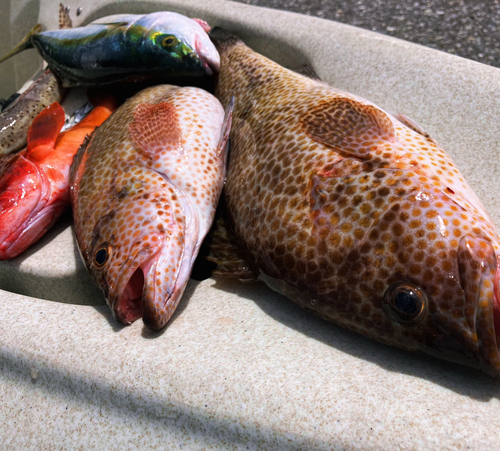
column 171, row 41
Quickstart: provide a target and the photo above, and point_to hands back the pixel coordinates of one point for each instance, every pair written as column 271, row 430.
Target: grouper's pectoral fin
column 348, row 126
column 226, row 128
column 156, row 129
column 224, row 251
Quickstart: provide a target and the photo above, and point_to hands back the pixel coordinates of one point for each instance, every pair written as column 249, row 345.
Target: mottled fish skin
column 34, row 183
column 17, row 117
column 356, row 214
column 161, row 43
column 144, row 194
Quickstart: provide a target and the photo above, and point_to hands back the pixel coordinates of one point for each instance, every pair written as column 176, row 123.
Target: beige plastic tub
column 241, row 367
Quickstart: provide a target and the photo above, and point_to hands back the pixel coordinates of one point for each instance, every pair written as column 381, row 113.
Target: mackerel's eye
column 169, row 41
column 405, row 302
column 101, row 255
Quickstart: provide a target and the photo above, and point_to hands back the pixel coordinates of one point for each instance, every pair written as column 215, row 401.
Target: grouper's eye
column 405, row 302
column 169, row 41
column 101, row 255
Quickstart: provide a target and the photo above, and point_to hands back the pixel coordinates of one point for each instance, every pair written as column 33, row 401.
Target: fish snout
column 167, row 280
column 126, row 297
column 479, row 276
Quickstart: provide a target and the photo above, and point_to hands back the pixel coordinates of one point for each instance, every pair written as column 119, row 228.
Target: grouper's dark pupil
column 405, row 302
column 100, row 256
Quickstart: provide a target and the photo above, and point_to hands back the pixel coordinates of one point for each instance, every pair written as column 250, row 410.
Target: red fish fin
column 348, row 126
column 203, row 24
column 46, row 127
column 224, row 251
column 226, row 128
column 156, row 128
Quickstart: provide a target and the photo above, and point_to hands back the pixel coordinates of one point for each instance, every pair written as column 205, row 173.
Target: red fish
column 34, row 187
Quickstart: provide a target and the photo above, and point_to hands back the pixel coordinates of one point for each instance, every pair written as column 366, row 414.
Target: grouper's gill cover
column 144, row 194
column 356, row 214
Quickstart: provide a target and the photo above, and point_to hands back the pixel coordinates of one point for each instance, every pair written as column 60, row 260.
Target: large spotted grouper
column 356, row 214
column 144, row 193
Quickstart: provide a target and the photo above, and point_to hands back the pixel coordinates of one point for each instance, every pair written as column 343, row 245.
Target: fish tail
column 46, row 127
column 24, row 44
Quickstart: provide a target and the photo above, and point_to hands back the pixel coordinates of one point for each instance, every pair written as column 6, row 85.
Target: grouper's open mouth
column 152, row 284
column 127, row 300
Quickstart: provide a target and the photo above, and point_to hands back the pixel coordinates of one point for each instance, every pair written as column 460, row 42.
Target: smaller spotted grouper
column 157, row 44
column 144, row 193
column 356, row 214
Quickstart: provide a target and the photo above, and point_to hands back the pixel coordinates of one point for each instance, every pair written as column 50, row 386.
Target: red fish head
column 25, row 189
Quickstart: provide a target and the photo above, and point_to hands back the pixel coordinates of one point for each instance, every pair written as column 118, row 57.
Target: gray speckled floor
column 466, row 28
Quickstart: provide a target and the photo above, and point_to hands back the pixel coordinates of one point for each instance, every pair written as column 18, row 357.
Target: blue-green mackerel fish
column 160, row 43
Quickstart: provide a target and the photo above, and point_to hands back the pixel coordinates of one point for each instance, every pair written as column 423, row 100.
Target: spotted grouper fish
column 144, row 194
column 355, row 214
column 162, row 43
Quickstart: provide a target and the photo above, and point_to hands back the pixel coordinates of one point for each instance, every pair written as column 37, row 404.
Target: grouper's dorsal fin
column 24, row 44
column 348, row 125
column 65, row 21
column 309, row 72
column 410, row 123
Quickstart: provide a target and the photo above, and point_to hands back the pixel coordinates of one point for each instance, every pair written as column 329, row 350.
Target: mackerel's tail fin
column 24, row 44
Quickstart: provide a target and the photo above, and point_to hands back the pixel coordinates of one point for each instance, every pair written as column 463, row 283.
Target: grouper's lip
column 484, row 315
column 126, row 301
column 488, row 322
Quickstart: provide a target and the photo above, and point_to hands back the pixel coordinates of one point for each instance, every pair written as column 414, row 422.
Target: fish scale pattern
column 144, row 193
column 332, row 201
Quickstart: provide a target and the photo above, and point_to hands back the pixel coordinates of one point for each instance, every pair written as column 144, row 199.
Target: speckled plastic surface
column 241, row 367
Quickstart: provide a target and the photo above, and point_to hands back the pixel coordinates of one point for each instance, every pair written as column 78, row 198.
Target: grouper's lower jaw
column 128, row 308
